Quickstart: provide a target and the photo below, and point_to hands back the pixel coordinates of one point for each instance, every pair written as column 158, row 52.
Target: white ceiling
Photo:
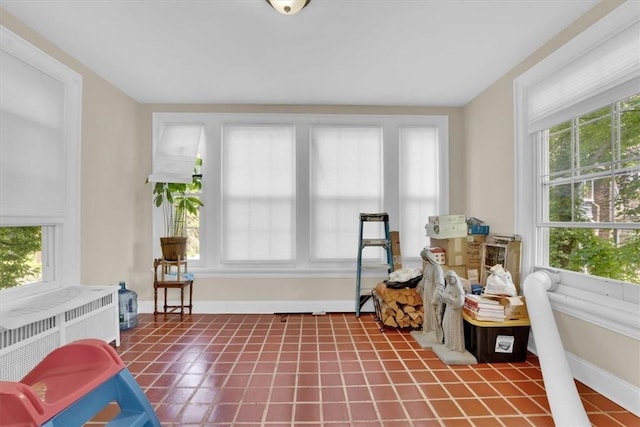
column 338, row 52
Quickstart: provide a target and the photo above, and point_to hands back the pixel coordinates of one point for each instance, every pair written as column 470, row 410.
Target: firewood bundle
column 399, row 308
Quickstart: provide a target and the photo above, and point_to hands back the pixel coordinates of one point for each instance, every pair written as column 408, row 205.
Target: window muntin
column 590, row 196
column 192, row 225
column 193, row 234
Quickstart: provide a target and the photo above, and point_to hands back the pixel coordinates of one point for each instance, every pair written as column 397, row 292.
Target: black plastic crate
column 497, row 341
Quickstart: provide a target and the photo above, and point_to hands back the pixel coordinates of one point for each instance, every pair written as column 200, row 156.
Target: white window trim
column 212, row 123
column 61, row 266
column 610, row 304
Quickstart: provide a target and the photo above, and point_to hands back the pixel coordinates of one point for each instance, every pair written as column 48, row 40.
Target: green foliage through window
column 19, row 252
column 593, row 178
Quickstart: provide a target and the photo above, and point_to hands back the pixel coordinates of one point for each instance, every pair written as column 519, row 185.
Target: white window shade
column 258, row 193
column 33, row 169
column 175, row 152
column 420, row 195
column 346, row 179
column 601, row 75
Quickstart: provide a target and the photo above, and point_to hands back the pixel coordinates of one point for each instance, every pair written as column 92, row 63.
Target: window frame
column 60, row 240
column 608, row 303
column 210, row 219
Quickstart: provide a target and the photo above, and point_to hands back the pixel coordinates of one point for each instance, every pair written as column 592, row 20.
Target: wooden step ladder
column 363, row 296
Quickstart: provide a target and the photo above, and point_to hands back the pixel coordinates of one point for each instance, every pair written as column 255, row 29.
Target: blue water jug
column 128, row 307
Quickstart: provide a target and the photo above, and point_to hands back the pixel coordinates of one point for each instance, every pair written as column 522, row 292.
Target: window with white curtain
column 418, row 147
column 40, row 107
column 258, row 193
column 346, row 178
column 578, row 169
column 282, row 193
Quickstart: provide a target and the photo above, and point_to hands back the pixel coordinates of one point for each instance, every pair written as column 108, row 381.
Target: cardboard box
column 446, row 231
column 514, row 307
column 462, row 250
column 448, row 219
column 496, row 341
column 474, row 251
column 455, row 249
column 395, row 250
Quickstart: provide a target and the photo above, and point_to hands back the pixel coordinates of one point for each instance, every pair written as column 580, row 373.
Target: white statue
column 452, row 321
column 432, row 281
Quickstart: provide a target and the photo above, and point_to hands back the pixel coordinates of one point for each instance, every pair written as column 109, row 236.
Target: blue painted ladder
column 363, row 296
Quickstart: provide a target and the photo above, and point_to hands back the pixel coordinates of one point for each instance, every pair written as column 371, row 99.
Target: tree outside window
column 20, row 252
column 593, row 190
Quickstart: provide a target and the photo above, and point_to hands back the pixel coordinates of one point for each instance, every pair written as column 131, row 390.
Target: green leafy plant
column 177, row 202
column 18, row 249
column 603, row 252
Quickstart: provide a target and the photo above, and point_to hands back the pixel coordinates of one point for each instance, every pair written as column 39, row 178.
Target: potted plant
column 177, row 203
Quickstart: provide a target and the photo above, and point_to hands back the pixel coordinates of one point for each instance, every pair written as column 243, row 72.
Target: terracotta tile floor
column 336, row 370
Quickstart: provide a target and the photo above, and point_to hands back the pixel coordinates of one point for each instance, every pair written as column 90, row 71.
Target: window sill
column 237, row 272
column 607, row 312
column 330, row 270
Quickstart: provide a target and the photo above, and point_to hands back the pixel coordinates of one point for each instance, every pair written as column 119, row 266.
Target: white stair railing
column 562, row 394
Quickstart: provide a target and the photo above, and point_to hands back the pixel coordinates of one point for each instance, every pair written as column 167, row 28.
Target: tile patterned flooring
column 331, row 370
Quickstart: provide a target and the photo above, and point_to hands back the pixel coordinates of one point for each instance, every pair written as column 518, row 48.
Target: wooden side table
column 161, row 281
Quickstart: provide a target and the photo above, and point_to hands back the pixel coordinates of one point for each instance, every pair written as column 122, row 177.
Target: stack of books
column 483, row 309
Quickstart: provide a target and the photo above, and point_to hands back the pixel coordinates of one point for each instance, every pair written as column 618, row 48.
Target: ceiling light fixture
column 288, row 7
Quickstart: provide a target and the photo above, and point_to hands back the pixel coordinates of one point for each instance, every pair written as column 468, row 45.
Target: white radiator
column 31, row 326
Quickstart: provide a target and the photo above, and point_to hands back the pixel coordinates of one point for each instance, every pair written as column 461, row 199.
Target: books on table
column 483, row 309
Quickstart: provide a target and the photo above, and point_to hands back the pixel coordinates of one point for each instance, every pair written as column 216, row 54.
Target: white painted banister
column 562, row 394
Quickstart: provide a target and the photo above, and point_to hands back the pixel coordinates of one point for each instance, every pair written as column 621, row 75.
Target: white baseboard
column 613, row 388
column 266, row 307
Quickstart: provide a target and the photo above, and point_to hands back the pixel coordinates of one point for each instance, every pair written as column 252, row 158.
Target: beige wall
column 617, row 354
column 116, row 203
column 288, row 289
column 489, row 140
column 489, row 135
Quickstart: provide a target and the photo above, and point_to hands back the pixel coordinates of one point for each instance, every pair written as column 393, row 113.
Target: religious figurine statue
column 438, row 306
column 431, row 276
column 452, row 321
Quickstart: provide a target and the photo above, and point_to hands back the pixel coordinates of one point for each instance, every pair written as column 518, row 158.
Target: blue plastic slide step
column 129, row 419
